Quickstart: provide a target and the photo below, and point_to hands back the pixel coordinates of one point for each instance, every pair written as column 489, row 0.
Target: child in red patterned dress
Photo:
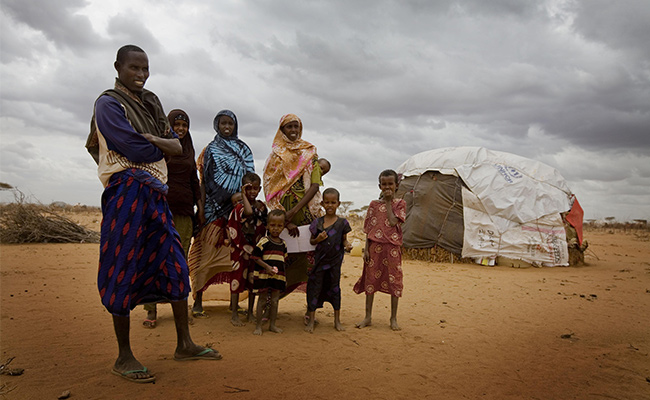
column 382, row 256
column 246, row 226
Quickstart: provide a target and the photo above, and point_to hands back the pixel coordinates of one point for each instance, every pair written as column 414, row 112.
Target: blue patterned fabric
column 226, row 160
column 141, row 258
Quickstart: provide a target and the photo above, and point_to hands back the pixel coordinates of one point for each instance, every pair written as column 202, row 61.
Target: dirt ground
column 468, row 332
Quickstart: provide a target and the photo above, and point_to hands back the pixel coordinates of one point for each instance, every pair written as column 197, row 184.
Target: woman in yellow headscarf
column 292, row 177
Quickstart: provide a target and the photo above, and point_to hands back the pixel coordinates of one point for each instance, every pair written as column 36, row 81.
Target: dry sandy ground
column 469, row 332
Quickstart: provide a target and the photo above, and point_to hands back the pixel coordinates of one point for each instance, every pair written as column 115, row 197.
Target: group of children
column 259, row 253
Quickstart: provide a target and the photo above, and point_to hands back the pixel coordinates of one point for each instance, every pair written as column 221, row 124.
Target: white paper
column 299, row 244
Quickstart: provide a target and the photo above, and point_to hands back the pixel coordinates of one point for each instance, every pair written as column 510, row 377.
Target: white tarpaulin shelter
column 508, row 205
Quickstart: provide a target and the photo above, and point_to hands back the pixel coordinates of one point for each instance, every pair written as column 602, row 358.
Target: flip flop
column 126, row 376
column 201, row 355
column 149, row 323
column 199, row 314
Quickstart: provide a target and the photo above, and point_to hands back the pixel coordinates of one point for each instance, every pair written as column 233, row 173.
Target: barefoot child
column 382, row 256
column 329, row 234
column 246, row 226
column 270, row 255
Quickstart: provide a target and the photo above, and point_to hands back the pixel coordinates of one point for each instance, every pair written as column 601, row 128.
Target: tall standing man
column 141, row 258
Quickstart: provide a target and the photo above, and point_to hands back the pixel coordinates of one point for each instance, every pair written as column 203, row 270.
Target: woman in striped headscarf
column 222, row 164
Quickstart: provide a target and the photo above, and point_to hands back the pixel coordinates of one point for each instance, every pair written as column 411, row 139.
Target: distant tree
column 360, row 212
column 345, row 206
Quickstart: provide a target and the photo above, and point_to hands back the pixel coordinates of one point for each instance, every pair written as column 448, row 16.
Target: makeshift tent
column 482, row 204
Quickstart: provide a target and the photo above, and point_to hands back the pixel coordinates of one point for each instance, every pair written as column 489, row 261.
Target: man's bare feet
column 275, row 329
column 393, row 325
column 364, row 323
column 258, row 331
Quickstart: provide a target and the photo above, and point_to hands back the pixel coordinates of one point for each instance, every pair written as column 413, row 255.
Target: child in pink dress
column 382, row 256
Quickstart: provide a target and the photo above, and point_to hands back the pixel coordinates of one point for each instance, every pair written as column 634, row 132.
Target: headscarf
column 226, row 160
column 287, row 163
column 182, row 161
column 182, row 180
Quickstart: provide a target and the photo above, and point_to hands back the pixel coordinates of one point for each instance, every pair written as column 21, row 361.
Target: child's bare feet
column 393, row 325
column 364, row 323
column 275, row 329
column 338, row 326
column 310, row 327
column 258, row 331
column 235, row 321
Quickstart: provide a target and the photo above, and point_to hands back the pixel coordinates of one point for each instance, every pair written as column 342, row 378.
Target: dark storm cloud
column 594, row 127
column 16, row 44
column 56, row 20
column 621, row 25
column 127, row 28
column 68, row 80
column 506, row 67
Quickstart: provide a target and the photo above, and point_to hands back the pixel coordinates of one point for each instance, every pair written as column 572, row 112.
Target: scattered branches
column 6, row 389
column 235, row 389
column 5, row 370
column 22, row 222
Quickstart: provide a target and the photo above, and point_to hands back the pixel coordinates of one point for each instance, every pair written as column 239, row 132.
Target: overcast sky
column 374, row 82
